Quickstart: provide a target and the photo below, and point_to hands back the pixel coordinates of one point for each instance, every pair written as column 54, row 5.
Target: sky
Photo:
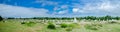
column 59, row 8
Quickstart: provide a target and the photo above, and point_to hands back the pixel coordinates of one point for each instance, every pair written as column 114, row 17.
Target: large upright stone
column 75, row 20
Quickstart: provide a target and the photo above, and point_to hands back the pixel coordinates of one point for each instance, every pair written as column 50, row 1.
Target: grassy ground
column 13, row 25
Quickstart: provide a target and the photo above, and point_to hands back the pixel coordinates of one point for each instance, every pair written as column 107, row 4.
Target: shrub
column 90, row 27
column 73, row 25
column 69, row 29
column 29, row 23
column 112, row 22
column 51, row 26
column 50, row 22
column 93, row 26
column 23, row 23
column 63, row 25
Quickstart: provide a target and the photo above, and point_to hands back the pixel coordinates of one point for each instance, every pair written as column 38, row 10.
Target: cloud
column 46, row 2
column 96, row 7
column 56, row 8
column 61, row 9
column 75, row 10
column 63, row 12
column 106, row 6
column 17, row 11
column 64, row 6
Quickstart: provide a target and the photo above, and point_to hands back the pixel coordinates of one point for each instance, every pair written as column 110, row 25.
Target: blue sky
column 59, row 8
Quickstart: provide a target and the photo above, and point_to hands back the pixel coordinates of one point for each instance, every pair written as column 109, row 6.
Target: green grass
column 14, row 25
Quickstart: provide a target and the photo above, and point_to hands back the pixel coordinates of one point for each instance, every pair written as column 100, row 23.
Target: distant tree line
column 100, row 18
column 107, row 17
column 53, row 18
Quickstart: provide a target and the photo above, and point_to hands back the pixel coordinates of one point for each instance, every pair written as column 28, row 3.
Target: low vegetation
column 64, row 25
column 29, row 26
column 84, row 24
column 28, row 23
column 51, row 26
column 93, row 26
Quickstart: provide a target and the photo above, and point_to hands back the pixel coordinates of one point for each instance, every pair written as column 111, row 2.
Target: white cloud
column 46, row 2
column 78, row 10
column 56, row 8
column 62, row 9
column 105, row 7
column 64, row 6
column 75, row 10
column 63, row 12
column 17, row 11
column 84, row 7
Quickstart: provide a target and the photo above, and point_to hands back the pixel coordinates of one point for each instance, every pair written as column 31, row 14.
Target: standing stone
column 75, row 20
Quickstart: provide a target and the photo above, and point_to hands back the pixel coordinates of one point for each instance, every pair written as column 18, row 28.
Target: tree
column 117, row 18
column 90, row 18
column 1, row 18
column 108, row 17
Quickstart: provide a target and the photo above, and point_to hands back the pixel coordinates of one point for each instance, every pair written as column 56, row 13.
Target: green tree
column 90, row 18
column 1, row 18
column 117, row 18
column 108, row 17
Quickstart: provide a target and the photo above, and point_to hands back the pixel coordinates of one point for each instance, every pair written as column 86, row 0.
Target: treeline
column 45, row 18
column 100, row 18
column 69, row 18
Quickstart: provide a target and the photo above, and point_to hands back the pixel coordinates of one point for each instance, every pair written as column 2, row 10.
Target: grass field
column 33, row 25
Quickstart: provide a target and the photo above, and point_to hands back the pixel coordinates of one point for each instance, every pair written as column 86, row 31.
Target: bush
column 112, row 22
column 63, row 25
column 1, row 18
column 93, row 26
column 73, row 25
column 51, row 26
column 23, row 23
column 50, row 22
column 29, row 23
column 69, row 29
